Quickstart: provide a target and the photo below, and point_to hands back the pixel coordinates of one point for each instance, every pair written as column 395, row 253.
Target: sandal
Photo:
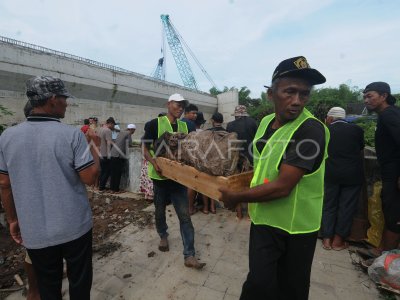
column 204, row 211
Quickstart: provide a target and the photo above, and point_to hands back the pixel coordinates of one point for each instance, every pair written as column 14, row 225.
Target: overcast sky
column 239, row 42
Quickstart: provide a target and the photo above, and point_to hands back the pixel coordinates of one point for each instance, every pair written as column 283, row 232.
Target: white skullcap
column 337, row 112
column 131, row 126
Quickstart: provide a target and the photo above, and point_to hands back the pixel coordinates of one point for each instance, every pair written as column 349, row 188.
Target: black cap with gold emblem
column 298, row 67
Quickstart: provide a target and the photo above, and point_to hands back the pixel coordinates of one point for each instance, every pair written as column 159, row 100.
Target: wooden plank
column 201, row 182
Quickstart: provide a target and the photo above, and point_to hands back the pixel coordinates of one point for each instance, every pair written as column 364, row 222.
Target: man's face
column 191, row 115
column 289, row 97
column 373, row 101
column 110, row 126
column 175, row 108
column 60, row 106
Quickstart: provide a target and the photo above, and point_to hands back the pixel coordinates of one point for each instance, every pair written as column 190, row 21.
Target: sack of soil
column 213, row 152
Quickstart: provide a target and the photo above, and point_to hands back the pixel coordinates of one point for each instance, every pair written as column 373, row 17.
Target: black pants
column 117, row 165
column 390, row 196
column 48, row 265
column 105, row 172
column 340, row 204
column 280, row 264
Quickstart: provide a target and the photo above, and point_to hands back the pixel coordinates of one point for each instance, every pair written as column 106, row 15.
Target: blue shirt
column 190, row 124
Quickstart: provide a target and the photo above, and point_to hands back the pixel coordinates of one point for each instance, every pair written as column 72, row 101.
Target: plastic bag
column 375, row 216
column 386, row 269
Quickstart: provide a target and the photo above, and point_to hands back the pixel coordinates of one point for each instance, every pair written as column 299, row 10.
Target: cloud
column 238, row 42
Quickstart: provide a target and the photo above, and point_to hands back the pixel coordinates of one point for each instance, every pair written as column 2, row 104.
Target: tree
column 323, row 99
column 244, row 95
column 4, row 112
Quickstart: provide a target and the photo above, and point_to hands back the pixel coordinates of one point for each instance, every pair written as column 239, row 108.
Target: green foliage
column 4, row 112
column 369, row 125
column 244, row 95
column 323, row 99
column 262, row 108
column 397, row 96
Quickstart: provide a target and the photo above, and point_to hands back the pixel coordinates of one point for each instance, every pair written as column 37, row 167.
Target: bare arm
column 150, row 158
column 288, row 178
column 88, row 175
column 7, row 201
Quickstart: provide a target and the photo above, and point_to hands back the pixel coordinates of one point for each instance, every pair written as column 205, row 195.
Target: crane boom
column 179, row 55
column 159, row 72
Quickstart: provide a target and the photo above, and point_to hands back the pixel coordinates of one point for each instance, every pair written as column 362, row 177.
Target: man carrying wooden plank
column 165, row 189
column 286, row 194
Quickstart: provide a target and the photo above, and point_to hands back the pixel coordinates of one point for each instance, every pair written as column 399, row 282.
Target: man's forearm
column 7, row 199
column 147, row 154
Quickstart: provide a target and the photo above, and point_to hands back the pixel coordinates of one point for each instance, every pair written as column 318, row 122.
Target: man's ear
column 52, row 101
column 269, row 94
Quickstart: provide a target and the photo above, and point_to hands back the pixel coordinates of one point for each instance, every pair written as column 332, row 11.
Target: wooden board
column 201, row 182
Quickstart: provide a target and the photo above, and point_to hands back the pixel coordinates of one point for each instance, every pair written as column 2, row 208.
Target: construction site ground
column 128, row 265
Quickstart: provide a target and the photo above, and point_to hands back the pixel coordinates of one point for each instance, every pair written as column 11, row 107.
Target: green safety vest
column 301, row 211
column 164, row 126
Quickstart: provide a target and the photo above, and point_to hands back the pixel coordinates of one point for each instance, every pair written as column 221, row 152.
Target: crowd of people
column 112, row 145
column 307, row 179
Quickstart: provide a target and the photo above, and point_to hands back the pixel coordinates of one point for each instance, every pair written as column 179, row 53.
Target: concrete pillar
column 135, row 166
column 226, row 104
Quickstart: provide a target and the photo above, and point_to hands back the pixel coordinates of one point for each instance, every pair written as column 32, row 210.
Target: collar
column 42, row 118
column 339, row 121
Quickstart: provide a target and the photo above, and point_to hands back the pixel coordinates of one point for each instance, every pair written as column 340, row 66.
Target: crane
column 175, row 42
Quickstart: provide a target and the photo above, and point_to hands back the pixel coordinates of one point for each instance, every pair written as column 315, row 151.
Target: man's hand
column 228, row 198
column 15, row 232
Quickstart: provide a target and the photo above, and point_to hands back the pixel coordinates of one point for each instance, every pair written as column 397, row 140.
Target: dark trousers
column 117, row 165
column 390, row 196
column 48, row 265
column 168, row 190
column 105, row 172
column 280, row 264
column 340, row 204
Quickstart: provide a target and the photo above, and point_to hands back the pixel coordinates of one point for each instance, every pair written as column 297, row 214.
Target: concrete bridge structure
column 101, row 90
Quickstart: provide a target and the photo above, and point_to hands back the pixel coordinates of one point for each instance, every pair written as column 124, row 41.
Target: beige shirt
column 121, row 144
column 105, row 136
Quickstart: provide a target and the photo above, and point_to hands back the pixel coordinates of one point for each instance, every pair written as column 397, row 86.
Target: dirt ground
column 110, row 214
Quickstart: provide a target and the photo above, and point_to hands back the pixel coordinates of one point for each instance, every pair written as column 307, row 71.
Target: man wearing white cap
column 119, row 156
column 344, row 175
column 166, row 189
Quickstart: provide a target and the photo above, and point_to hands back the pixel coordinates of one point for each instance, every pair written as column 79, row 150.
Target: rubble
column 110, row 214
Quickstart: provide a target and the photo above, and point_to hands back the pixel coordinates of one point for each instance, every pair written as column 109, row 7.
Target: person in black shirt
column 344, row 176
column 216, row 120
column 378, row 98
column 190, row 117
column 166, row 190
column 285, row 207
column 246, row 129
